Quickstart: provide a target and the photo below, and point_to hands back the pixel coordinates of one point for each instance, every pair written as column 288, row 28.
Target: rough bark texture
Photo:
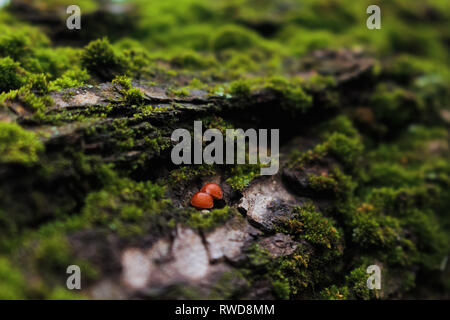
column 86, row 175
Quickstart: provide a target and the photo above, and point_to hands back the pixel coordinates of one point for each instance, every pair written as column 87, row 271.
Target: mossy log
column 131, row 228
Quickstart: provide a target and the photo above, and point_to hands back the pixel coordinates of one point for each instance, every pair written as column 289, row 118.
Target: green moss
column 388, row 199
column 240, row 88
column 292, row 91
column 307, row 223
column 53, row 254
column 123, row 81
column 193, row 61
column 341, row 124
column 134, row 96
column 211, row 219
column 33, row 102
column 14, row 45
column 319, row 83
column 281, row 288
column 72, row 78
column 238, row 63
column 347, row 150
column 38, row 83
column 18, row 145
column 334, row 293
column 182, row 92
column 242, row 175
column 371, row 229
column 12, row 282
column 395, row 107
column 231, row 285
column 197, row 84
column 12, row 76
column 100, row 59
column 404, row 68
column 357, row 284
column 322, row 183
column 289, row 276
column 126, row 207
column 394, row 175
column 233, row 37
column 188, row 173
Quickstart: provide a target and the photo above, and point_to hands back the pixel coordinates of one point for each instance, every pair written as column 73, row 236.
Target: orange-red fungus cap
column 213, row 189
column 202, row 200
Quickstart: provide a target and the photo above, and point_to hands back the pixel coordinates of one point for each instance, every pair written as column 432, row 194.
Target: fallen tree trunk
column 246, row 252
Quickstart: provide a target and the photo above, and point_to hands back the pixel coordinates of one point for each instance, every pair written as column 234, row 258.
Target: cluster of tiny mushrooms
column 205, row 198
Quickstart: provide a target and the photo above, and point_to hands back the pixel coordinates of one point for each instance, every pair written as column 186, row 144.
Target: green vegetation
column 125, row 207
column 310, row 225
column 372, row 163
column 101, row 60
column 18, row 145
column 10, row 74
column 209, row 220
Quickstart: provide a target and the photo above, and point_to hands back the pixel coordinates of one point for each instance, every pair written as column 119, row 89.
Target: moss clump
column 307, row 223
column 12, row 76
column 193, row 61
column 335, row 293
column 242, row 175
column 72, row 78
column 347, row 150
column 53, row 254
column 187, row 173
column 182, row 92
column 32, row 101
column 404, row 68
column 126, row 207
column 233, row 37
column 388, row 200
column 335, row 184
column 341, row 124
column 47, row 252
column 14, row 45
column 12, row 282
column 18, row 145
column 295, row 96
column 231, row 285
column 211, row 219
column 100, row 59
column 240, row 88
column 355, row 287
column 123, row 81
column 371, row 229
column 395, row 107
column 38, row 83
column 357, row 284
column 126, row 137
column 134, row 96
column 289, row 276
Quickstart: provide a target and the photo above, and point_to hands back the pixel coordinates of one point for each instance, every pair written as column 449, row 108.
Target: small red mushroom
column 213, row 189
column 202, row 200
